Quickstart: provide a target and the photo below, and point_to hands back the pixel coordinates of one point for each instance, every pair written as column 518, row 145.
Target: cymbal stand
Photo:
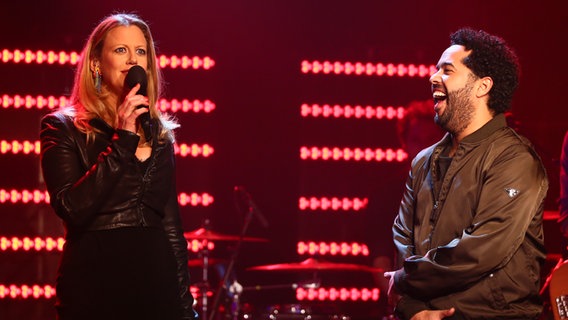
column 222, row 285
column 205, row 277
column 204, row 252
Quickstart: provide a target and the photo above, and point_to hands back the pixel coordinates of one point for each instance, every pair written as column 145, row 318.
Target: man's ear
column 485, row 85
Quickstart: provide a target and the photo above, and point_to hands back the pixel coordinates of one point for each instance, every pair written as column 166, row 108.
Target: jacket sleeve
column 403, row 223
column 510, row 200
column 403, row 226
column 174, row 232
column 407, row 306
column 75, row 191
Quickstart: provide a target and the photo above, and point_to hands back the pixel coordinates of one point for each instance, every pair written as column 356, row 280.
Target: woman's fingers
column 133, row 106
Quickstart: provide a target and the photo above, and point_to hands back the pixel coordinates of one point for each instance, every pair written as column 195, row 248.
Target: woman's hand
column 127, row 111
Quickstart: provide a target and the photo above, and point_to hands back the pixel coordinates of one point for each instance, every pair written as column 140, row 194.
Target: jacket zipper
column 433, row 219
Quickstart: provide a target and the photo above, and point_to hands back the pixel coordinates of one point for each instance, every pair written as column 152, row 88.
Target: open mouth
column 439, row 96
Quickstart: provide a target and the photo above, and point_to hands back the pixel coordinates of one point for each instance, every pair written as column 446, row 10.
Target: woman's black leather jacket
column 98, row 185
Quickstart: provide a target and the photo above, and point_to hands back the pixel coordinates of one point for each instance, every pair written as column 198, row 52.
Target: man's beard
column 458, row 112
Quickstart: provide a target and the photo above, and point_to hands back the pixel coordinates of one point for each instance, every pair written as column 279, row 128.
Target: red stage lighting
column 338, row 294
column 193, row 150
column 332, row 203
column 28, row 244
column 51, row 102
column 332, row 248
column 15, row 147
column 352, row 154
column 186, row 105
column 368, row 69
column 72, row 58
column 33, row 147
column 347, row 111
column 197, row 245
column 41, row 196
column 195, row 199
column 23, row 196
column 26, row 291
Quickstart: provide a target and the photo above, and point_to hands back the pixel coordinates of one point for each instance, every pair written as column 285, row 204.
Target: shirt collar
column 498, row 122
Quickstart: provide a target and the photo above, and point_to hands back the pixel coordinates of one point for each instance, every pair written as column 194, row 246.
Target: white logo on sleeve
column 512, row 192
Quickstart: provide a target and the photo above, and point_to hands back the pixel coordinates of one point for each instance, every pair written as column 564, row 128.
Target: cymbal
column 204, row 234
column 199, row 262
column 312, row 264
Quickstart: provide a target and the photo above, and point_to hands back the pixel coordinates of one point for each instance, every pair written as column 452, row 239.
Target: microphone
column 240, row 190
column 137, row 75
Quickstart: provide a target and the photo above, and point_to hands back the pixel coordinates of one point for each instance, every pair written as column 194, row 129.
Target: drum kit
column 231, row 288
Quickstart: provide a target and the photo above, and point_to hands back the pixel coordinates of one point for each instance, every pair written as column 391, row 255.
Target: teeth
column 439, row 94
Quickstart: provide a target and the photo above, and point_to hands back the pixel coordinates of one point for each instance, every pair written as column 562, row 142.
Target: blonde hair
column 87, row 103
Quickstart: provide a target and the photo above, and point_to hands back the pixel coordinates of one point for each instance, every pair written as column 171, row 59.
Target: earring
column 98, row 78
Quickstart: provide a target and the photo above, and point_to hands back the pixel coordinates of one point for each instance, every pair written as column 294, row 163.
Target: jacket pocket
column 498, row 300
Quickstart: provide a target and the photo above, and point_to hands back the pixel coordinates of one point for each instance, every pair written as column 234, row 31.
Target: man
column 469, row 228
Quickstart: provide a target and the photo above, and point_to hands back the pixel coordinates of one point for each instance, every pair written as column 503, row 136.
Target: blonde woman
column 125, row 256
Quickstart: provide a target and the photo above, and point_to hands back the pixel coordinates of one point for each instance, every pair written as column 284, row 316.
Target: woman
column 125, row 256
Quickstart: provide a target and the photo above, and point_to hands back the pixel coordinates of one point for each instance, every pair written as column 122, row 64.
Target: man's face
column 452, row 87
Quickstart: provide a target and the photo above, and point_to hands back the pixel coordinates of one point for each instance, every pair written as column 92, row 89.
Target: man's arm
column 405, row 305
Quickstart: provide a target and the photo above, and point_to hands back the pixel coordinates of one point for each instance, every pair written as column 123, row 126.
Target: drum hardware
column 199, row 262
column 302, row 312
column 204, row 254
column 205, row 234
column 235, row 289
column 315, row 265
column 243, row 200
column 209, row 235
column 311, row 284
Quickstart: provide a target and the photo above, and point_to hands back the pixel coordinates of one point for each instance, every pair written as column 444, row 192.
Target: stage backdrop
column 296, row 102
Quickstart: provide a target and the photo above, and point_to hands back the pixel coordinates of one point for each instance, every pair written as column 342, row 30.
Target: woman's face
column 123, row 47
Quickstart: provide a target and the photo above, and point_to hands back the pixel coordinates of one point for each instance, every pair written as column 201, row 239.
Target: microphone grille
column 136, row 74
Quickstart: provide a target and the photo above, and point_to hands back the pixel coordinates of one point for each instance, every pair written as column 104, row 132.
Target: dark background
column 256, row 128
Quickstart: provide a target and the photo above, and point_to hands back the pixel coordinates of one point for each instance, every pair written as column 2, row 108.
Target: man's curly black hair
column 491, row 57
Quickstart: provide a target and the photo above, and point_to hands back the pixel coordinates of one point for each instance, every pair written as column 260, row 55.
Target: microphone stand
column 222, row 284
